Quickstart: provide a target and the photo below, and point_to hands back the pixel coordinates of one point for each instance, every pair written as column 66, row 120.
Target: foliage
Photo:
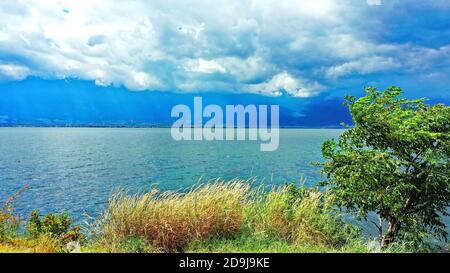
column 54, row 225
column 217, row 217
column 395, row 162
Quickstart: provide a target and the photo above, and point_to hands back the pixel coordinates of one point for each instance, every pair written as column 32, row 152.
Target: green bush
column 55, row 225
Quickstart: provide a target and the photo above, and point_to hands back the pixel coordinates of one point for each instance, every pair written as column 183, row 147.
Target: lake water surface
column 75, row 169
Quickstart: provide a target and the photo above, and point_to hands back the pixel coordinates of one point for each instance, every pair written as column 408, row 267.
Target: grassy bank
column 216, row 217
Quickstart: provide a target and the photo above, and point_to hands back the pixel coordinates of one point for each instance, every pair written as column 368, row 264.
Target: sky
column 107, row 62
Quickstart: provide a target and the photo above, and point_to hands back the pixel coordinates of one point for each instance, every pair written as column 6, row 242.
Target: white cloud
column 286, row 83
column 116, row 44
column 421, row 58
column 362, row 66
column 229, row 45
column 203, row 66
column 13, row 71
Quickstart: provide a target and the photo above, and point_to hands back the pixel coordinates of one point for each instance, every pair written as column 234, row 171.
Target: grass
column 265, row 244
column 216, row 217
column 170, row 220
column 226, row 217
column 26, row 244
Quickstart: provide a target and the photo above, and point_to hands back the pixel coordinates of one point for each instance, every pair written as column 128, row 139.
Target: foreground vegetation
column 217, row 217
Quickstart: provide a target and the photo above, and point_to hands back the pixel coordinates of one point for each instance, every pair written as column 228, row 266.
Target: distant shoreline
column 141, row 126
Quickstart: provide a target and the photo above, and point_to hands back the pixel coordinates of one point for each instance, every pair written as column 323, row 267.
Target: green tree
column 394, row 161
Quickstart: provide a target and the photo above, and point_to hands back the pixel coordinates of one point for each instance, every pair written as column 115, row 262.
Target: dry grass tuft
column 171, row 220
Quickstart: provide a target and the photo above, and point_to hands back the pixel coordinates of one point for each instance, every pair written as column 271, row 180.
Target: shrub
column 55, row 225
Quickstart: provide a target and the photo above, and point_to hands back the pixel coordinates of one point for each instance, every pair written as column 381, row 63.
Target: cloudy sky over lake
column 305, row 50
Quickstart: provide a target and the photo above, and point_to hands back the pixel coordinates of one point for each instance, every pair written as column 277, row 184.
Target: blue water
column 75, row 169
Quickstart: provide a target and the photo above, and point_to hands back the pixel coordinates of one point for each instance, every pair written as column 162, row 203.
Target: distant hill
column 36, row 102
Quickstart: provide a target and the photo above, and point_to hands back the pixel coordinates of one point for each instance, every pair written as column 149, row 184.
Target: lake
column 75, row 169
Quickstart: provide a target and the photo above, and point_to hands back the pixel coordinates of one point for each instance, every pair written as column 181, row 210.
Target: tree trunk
column 391, row 233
